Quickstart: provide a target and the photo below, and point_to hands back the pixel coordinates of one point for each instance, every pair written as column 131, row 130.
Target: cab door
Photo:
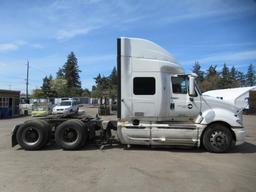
column 183, row 107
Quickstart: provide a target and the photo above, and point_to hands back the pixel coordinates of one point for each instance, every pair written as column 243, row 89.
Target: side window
column 180, row 85
column 144, row 86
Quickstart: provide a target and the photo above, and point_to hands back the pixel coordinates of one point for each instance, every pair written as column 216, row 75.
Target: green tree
column 37, row 94
column 95, row 92
column 198, row 71
column 113, row 84
column 60, row 87
column 86, row 93
column 71, row 75
column 60, row 73
column 46, row 87
column 241, row 78
column 225, row 80
column 211, row 79
column 103, row 87
column 113, row 76
column 234, row 77
column 250, row 76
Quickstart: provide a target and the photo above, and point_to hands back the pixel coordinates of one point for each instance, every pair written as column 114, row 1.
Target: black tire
column 218, row 138
column 32, row 135
column 71, row 134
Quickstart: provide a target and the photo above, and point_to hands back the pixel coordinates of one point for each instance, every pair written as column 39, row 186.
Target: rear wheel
column 32, row 135
column 71, row 134
column 217, row 138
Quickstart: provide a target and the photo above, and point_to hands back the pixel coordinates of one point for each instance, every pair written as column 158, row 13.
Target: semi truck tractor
column 158, row 104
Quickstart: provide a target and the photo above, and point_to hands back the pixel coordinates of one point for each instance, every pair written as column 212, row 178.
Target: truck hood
column 213, row 102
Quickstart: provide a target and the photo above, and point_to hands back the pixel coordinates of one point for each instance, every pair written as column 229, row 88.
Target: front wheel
column 217, row 138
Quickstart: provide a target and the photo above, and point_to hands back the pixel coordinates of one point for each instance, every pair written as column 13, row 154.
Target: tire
column 32, row 135
column 218, row 139
column 71, row 134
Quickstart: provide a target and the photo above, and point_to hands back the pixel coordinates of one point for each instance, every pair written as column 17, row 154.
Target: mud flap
column 14, row 131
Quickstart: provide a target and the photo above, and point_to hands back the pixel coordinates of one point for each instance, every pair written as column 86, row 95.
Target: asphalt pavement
column 115, row 169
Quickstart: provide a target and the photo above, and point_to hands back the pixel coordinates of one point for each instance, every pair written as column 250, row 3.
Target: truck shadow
column 243, row 149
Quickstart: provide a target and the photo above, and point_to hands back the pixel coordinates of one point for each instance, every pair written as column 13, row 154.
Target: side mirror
column 192, row 91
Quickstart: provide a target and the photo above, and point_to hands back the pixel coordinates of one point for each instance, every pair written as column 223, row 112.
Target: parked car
column 66, row 106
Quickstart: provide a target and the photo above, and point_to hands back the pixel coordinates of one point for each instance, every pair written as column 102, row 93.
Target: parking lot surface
column 115, row 169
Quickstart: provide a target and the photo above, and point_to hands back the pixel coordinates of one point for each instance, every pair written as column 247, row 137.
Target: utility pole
column 27, row 82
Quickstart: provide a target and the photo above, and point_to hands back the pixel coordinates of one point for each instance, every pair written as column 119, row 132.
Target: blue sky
column 45, row 32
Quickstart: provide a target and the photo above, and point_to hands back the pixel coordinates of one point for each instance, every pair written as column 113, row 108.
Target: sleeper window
column 144, row 86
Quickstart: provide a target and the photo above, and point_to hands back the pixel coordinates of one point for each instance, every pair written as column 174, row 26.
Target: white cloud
column 194, row 9
column 67, row 34
column 230, row 56
column 37, row 45
column 8, row 47
column 12, row 46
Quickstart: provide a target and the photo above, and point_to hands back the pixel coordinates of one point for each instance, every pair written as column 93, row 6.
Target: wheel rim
column 30, row 136
column 70, row 135
column 218, row 139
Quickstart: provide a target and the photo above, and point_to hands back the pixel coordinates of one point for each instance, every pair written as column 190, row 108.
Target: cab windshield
column 65, row 103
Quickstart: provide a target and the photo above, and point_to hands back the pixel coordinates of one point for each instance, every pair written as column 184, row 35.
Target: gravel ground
column 115, row 169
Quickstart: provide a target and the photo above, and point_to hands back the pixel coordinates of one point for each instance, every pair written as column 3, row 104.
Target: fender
column 214, row 115
column 14, row 132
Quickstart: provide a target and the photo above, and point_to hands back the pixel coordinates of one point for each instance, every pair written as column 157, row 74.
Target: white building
column 236, row 96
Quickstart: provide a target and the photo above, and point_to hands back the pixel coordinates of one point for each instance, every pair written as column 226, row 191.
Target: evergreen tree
column 211, row 79
column 250, row 76
column 225, row 81
column 71, row 75
column 198, row 71
column 234, row 77
column 46, row 87
column 97, row 79
column 113, row 76
column 211, row 72
column 113, row 84
column 241, row 79
column 60, row 73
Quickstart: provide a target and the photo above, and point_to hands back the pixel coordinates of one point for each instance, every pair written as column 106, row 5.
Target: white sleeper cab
column 160, row 105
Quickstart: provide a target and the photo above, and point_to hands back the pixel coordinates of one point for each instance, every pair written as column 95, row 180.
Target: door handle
column 172, row 106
